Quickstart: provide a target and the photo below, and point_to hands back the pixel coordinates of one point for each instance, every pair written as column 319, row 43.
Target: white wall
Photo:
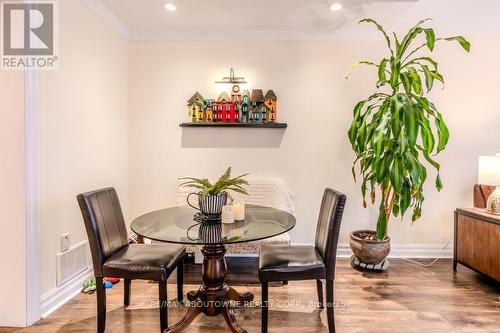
column 83, row 127
column 316, row 101
column 12, row 200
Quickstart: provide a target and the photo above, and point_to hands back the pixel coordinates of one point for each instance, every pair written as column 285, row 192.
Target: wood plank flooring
column 407, row 298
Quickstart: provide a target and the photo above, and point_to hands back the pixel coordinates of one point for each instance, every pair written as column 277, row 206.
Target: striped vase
column 210, row 204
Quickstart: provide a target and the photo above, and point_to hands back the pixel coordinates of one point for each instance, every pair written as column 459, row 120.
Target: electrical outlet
column 65, row 242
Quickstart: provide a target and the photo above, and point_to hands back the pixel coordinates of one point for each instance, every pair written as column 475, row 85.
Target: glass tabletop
column 177, row 225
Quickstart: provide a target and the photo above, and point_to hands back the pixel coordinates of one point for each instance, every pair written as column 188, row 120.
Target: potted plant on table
column 393, row 136
column 211, row 197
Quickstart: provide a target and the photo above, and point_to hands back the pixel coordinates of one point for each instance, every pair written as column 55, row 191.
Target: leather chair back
column 328, row 228
column 104, row 223
column 481, row 195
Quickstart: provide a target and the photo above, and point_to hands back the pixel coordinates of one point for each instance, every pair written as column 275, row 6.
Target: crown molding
column 149, row 35
column 108, row 17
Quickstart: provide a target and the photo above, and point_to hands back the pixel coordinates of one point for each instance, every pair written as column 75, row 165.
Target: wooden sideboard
column 477, row 241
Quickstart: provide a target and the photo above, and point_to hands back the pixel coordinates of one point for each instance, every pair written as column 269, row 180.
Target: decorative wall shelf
column 253, row 125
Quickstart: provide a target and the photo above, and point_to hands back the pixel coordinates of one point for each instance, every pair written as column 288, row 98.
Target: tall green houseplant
column 395, row 130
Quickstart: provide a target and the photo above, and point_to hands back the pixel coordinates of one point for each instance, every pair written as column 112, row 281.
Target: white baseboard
column 55, row 298
column 403, row 250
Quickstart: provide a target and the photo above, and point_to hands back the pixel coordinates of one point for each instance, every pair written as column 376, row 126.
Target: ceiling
column 246, row 16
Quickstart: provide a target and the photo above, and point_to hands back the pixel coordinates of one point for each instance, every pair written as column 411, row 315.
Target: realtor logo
column 29, row 35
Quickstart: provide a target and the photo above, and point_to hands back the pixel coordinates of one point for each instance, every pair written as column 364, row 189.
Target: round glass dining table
column 184, row 225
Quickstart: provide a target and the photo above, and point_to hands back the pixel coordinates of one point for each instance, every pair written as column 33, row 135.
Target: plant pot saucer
column 362, row 267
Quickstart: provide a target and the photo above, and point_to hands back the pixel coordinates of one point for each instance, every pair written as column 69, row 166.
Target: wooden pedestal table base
column 214, row 296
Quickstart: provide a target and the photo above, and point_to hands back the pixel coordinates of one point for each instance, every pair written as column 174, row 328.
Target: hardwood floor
column 407, row 298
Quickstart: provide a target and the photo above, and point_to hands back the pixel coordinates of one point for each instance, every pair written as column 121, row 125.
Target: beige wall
column 83, row 127
column 12, row 200
column 316, row 101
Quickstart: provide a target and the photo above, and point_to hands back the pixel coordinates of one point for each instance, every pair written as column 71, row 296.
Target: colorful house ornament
column 236, row 107
column 271, row 100
column 195, row 108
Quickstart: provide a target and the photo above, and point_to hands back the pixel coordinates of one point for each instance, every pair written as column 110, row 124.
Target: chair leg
column 162, row 290
column 319, row 286
column 126, row 292
column 180, row 281
column 101, row 304
column 265, row 299
column 330, row 305
column 285, row 283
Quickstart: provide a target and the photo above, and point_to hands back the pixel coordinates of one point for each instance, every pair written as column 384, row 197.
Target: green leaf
column 437, row 76
column 396, row 42
column 380, row 166
column 381, row 70
column 415, row 169
column 380, row 135
column 396, row 174
column 395, row 68
column 420, row 59
column 427, row 136
column 430, row 38
column 364, row 62
column 226, row 174
column 396, row 107
column 443, row 133
column 405, row 198
column 410, row 36
column 381, row 29
column 381, row 222
column 361, row 137
column 395, row 208
column 463, row 42
column 356, row 122
column 415, row 80
column 439, row 183
column 411, row 123
column 405, row 79
column 429, row 78
column 429, row 159
column 417, row 213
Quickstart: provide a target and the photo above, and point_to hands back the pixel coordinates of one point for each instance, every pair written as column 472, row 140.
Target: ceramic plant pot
column 369, row 250
column 210, row 205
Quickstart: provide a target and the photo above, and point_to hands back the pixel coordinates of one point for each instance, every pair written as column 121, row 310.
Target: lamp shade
column 489, row 170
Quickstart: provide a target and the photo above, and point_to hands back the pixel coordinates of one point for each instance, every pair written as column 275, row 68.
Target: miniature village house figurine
column 270, row 99
column 195, row 108
column 238, row 107
column 257, row 100
column 207, row 110
column 224, row 108
column 244, row 107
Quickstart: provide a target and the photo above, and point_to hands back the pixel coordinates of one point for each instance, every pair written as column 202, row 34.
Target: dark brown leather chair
column 113, row 256
column 283, row 263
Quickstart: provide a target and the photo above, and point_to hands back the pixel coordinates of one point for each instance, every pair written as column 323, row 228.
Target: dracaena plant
column 396, row 132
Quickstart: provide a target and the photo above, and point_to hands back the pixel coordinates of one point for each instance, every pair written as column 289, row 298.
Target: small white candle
column 239, row 210
column 227, row 214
